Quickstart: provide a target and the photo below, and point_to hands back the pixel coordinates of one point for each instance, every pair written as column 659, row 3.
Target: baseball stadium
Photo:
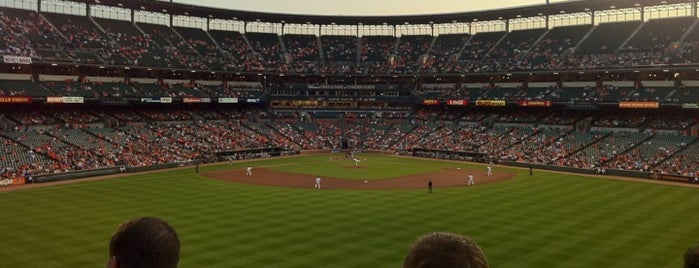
column 561, row 134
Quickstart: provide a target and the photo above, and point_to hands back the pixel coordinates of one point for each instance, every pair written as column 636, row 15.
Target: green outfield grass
column 544, row 220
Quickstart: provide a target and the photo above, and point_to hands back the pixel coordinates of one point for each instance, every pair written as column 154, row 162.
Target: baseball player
column 489, row 170
column 470, row 180
column 248, row 171
column 356, row 162
column 317, row 186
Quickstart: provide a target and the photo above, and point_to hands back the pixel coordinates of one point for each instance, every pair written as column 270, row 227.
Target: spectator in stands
column 144, row 242
column 691, row 257
column 445, row 250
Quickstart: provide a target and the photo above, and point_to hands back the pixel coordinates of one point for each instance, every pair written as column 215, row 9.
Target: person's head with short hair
column 144, row 242
column 691, row 257
column 445, row 250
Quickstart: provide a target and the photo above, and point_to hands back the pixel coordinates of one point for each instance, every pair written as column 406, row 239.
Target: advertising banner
column 191, row 100
column 17, row 59
column 457, row 102
column 227, row 100
column 72, row 99
column 15, row 99
column 430, row 102
column 535, row 103
column 65, row 99
column 157, row 100
column 490, row 103
column 639, row 105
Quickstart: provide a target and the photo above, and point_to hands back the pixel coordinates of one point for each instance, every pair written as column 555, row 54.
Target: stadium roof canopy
column 463, row 17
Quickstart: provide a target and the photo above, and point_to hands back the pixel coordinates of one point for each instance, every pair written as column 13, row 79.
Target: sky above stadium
column 364, row 7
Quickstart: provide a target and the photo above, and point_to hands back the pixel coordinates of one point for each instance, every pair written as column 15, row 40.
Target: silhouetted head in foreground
column 445, row 250
column 144, row 242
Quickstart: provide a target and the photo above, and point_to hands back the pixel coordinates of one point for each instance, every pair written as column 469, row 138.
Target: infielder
column 356, row 162
column 470, row 180
column 317, row 186
column 489, row 170
column 248, row 171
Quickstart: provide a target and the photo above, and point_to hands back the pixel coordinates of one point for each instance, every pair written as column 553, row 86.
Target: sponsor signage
column 490, row 103
column 191, row 100
column 73, row 99
column 457, row 102
column 430, row 102
column 157, row 100
column 537, row 103
column 227, row 100
column 690, row 105
column 15, row 99
column 196, row 100
column 253, row 100
column 54, row 99
column 65, row 99
column 639, row 105
column 17, row 59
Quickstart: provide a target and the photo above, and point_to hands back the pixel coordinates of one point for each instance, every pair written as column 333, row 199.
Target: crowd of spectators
column 13, row 44
column 40, row 35
column 26, row 33
column 59, row 140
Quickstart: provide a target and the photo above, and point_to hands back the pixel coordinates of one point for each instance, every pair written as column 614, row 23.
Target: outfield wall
column 76, row 174
column 612, row 172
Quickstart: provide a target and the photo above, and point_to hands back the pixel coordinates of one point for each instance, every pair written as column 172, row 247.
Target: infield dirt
column 447, row 177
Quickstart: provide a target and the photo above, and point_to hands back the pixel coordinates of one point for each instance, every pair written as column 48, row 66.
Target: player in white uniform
column 470, row 180
column 489, row 170
column 317, row 186
column 356, row 162
column 248, row 171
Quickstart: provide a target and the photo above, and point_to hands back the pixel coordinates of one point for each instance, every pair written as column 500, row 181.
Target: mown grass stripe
column 544, row 220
